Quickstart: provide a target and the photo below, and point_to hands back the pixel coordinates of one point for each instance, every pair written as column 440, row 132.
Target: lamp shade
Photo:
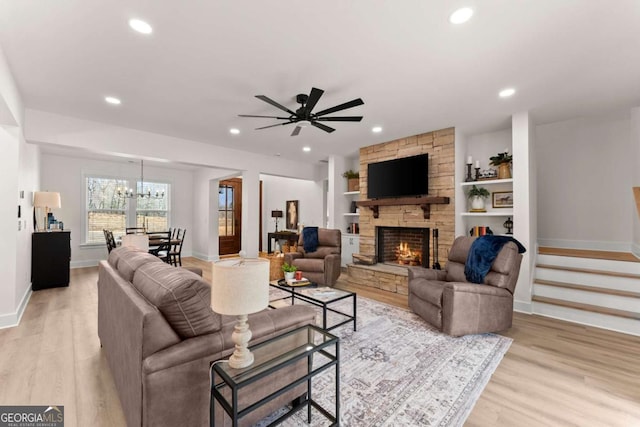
column 276, row 214
column 240, row 286
column 46, row 199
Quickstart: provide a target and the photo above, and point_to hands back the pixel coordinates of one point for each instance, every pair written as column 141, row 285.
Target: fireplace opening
column 403, row 246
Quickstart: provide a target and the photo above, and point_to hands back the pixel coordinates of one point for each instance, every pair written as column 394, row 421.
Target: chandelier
column 130, row 193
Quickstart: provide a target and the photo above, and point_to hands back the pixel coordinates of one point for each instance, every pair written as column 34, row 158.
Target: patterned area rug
column 396, row 370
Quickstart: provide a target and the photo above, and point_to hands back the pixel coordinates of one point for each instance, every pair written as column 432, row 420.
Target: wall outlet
column 19, row 225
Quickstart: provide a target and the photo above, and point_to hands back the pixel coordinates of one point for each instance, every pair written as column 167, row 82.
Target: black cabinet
column 50, row 257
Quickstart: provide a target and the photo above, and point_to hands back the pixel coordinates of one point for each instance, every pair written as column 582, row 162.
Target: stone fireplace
column 388, row 275
column 407, row 246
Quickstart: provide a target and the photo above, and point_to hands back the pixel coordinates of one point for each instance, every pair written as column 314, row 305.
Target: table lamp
column 240, row 286
column 47, row 200
column 277, row 215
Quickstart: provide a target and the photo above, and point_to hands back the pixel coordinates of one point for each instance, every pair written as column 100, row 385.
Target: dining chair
column 176, row 250
column 111, row 242
column 162, row 251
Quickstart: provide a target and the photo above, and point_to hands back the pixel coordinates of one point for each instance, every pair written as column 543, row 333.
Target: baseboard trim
column 204, row 257
column 525, row 307
column 593, row 245
column 13, row 319
column 84, row 263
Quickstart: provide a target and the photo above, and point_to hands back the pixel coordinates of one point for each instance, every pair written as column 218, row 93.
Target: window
column 152, row 213
column 106, row 209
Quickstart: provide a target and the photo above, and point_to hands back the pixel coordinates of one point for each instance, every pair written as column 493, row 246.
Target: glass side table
column 307, row 342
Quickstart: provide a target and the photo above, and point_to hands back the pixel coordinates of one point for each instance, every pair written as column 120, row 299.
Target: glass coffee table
column 321, row 297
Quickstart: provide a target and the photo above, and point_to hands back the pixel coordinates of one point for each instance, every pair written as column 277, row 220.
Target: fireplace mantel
column 424, row 202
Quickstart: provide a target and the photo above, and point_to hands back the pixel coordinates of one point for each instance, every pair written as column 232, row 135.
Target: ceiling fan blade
column 340, row 119
column 350, row 104
column 323, row 127
column 314, row 96
column 296, row 131
column 277, row 124
column 266, row 117
column 274, row 103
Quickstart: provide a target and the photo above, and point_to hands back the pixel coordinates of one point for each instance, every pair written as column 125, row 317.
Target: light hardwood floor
column 555, row 373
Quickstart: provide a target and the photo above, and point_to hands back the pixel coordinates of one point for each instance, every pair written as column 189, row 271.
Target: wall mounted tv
column 404, row 177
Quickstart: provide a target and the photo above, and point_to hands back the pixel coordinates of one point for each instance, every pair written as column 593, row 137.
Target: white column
column 250, row 213
column 460, row 149
column 635, row 152
column 336, row 201
column 524, row 205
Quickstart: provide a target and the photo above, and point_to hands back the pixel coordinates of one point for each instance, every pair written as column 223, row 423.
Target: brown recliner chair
column 446, row 300
column 323, row 265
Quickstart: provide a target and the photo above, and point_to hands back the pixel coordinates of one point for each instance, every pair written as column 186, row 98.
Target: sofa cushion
column 455, row 272
column 460, row 249
column 134, row 258
column 116, row 254
column 181, row 296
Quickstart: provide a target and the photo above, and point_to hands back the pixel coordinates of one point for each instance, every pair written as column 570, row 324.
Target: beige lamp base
column 241, row 357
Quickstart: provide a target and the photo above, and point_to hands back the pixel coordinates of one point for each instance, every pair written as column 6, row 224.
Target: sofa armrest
column 426, row 273
column 475, row 288
column 290, row 256
column 469, row 308
column 185, row 351
column 332, row 270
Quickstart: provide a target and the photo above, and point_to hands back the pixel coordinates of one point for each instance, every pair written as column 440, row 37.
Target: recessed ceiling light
column 505, row 93
column 461, row 15
column 376, row 129
column 140, row 26
column 112, row 100
column 307, row 149
column 234, row 131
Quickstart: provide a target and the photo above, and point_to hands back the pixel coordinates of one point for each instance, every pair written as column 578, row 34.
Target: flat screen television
column 404, row 177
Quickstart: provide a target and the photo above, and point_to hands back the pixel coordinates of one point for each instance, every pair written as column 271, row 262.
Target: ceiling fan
column 304, row 116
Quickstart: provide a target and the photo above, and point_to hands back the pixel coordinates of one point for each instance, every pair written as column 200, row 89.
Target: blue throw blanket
column 310, row 239
column 483, row 252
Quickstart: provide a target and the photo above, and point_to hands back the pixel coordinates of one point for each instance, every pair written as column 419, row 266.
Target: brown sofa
column 447, row 301
column 159, row 336
column 323, row 265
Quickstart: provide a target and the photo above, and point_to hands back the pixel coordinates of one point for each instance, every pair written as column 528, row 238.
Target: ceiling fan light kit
column 304, row 116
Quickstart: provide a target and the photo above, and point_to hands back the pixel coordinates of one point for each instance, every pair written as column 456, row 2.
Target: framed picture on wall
column 502, row 199
column 293, row 215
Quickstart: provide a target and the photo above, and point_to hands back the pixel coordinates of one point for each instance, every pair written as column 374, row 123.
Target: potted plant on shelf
column 353, row 180
column 289, row 271
column 503, row 161
column 476, row 196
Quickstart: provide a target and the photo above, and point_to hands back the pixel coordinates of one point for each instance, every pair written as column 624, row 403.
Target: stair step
column 589, row 271
column 584, row 253
column 608, row 291
column 587, row 307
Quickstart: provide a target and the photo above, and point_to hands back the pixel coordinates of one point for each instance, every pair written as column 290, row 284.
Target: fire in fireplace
column 403, row 246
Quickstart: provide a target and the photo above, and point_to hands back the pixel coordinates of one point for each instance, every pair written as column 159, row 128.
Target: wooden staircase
column 596, row 288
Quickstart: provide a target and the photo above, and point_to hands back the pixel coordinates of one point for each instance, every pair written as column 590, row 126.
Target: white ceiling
column 415, row 71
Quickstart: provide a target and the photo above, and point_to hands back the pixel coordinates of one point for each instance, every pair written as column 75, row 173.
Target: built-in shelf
column 351, row 214
column 487, row 182
column 424, row 202
column 505, row 212
column 350, row 193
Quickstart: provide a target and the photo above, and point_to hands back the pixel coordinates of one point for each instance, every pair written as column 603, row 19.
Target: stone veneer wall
column 440, row 147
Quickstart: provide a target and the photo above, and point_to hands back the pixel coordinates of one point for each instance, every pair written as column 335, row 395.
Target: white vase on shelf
column 477, row 203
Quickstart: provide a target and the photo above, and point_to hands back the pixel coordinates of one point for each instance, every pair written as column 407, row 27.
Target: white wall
column 277, row 190
column 19, row 172
column 584, row 177
column 66, row 175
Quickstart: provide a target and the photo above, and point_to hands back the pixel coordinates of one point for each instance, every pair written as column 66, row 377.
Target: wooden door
column 230, row 215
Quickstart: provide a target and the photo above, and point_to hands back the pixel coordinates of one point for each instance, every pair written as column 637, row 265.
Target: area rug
column 396, row 370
